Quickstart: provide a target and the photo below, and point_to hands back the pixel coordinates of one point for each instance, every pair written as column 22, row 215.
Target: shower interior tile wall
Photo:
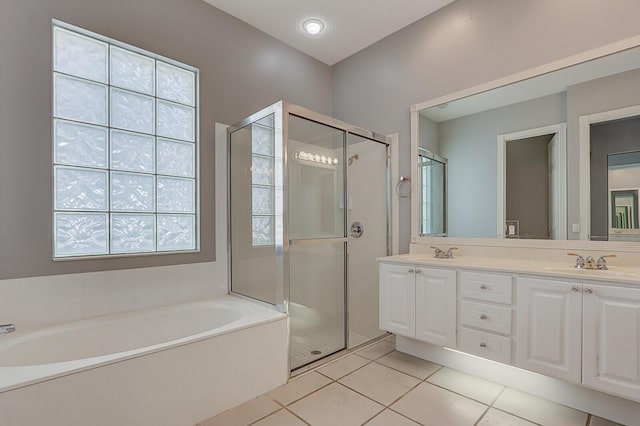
column 39, row 301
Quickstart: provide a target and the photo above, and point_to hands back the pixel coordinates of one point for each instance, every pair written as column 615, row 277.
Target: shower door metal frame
column 281, row 111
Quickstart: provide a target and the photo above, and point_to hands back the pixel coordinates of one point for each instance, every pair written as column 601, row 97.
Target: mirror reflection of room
column 615, row 179
column 529, row 192
column 485, row 186
column 432, row 184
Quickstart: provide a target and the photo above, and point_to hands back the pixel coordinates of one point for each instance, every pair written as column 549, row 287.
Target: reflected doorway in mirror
column 532, row 183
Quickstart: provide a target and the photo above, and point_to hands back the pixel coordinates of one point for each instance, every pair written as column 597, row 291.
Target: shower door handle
column 316, row 241
column 357, row 229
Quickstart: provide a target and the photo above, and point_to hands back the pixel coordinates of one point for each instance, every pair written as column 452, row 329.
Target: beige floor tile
column 408, row 364
column 598, row 421
column 434, row 406
column 335, row 405
column 391, row 418
column 280, row 418
column 465, row 384
column 495, row 417
column 245, row 414
column 539, row 410
column 377, row 350
column 380, row 383
column 343, row 366
column 299, row 387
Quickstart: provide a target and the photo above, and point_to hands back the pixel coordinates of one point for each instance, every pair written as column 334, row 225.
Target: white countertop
column 565, row 269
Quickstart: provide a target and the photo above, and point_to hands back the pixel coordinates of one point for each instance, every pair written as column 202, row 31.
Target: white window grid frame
column 270, row 187
column 109, row 170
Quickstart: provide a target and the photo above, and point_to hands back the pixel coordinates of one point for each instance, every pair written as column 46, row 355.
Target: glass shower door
column 432, row 184
column 368, row 184
column 255, row 215
column 317, row 240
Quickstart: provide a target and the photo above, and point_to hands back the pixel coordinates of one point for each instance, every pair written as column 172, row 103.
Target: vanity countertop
column 620, row 274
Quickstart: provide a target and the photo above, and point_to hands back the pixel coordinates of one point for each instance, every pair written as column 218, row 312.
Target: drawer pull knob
column 575, row 289
column 483, row 287
column 483, row 316
column 483, row 345
column 411, row 271
column 588, row 290
column 418, row 271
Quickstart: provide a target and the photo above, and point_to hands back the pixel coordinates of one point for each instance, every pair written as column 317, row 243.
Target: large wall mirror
column 552, row 153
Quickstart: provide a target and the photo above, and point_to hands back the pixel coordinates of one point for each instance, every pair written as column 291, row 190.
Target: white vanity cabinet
column 549, row 318
column 397, row 299
column 419, row 302
column 485, row 315
column 580, row 332
column 611, row 339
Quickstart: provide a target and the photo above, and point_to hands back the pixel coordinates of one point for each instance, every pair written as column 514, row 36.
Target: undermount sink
column 595, row 273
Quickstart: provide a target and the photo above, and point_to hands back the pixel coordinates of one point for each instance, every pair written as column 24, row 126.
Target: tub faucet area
column 7, row 328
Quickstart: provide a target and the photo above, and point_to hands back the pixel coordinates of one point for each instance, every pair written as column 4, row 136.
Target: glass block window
column 125, row 148
column 262, row 184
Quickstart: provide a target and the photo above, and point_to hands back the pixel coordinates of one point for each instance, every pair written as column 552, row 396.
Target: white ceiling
column 350, row 25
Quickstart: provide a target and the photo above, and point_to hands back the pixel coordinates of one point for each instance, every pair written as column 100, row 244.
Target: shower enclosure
column 308, row 216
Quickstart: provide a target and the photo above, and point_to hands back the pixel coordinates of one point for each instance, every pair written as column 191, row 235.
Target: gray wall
column 241, row 71
column 608, row 138
column 464, row 44
column 527, row 186
column 470, row 144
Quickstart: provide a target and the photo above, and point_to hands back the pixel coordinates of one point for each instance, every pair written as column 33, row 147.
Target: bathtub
column 173, row 365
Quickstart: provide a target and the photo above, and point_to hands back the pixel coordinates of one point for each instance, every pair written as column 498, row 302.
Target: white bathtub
column 174, row 365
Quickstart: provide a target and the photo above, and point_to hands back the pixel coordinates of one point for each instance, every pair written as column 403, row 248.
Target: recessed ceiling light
column 313, row 26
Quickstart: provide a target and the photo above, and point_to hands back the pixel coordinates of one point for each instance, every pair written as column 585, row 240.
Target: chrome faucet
column 579, row 260
column 602, row 263
column 590, row 262
column 7, row 328
column 441, row 254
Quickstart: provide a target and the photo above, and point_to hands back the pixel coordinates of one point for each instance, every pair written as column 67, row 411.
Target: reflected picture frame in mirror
column 625, row 53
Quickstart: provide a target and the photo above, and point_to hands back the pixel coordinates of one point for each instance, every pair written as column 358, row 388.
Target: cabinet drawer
column 488, row 287
column 486, row 317
column 485, row 345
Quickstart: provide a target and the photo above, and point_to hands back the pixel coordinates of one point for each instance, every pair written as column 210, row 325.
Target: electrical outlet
column 576, row 227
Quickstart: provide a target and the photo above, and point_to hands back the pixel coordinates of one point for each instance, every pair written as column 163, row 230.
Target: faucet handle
column 608, row 255
column 438, row 252
column 450, row 252
column 602, row 263
column 579, row 260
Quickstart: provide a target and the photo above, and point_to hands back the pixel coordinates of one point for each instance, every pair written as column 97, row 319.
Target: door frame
column 560, row 170
column 585, row 122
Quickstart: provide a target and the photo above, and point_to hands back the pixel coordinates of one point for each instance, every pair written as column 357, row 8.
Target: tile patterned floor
column 379, row 386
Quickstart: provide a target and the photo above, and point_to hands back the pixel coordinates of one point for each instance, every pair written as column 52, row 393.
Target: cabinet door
column 436, row 306
column 611, row 358
column 549, row 325
column 397, row 299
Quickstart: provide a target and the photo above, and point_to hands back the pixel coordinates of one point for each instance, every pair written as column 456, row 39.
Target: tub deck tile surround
column 396, row 389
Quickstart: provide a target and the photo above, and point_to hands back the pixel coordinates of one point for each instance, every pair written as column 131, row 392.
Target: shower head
column 353, row 157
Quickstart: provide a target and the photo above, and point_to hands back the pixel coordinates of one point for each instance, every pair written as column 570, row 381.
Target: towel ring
column 403, row 187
